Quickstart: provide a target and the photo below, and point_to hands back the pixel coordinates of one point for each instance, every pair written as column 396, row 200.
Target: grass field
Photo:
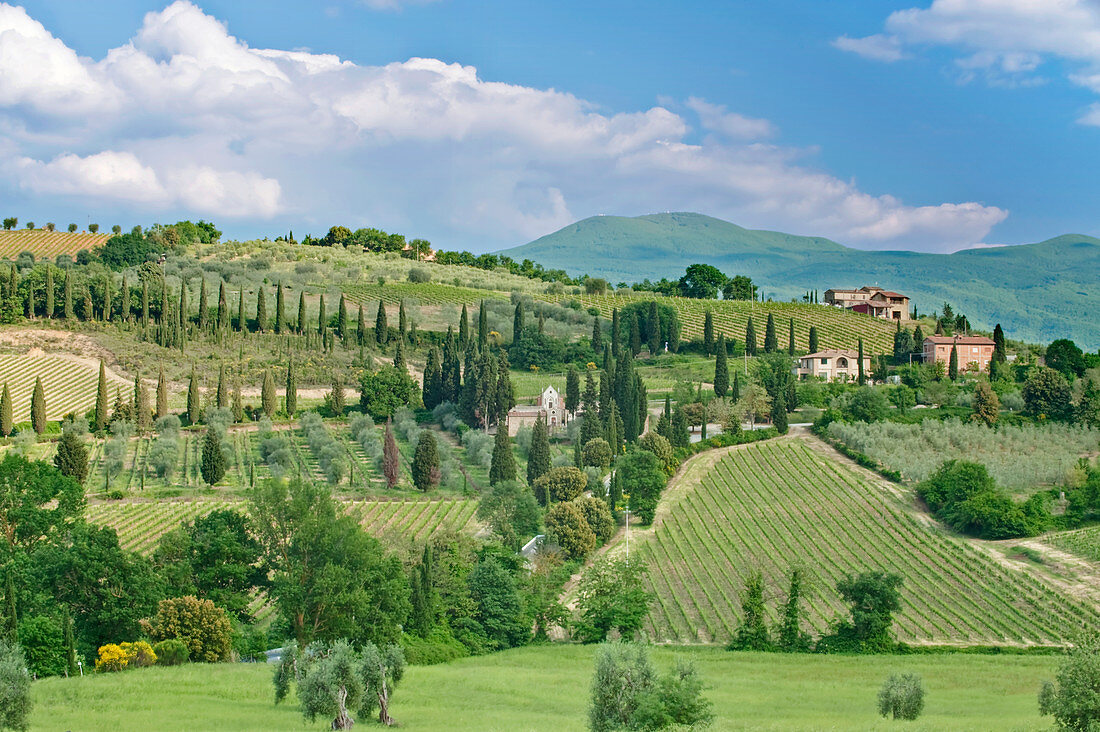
column 779, row 504
column 547, row 688
column 836, row 328
column 68, row 386
column 47, row 244
column 140, row 524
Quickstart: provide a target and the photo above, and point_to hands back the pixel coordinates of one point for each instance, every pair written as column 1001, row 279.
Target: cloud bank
column 187, row 117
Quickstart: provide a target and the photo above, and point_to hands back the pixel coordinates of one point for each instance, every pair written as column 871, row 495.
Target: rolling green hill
column 1038, row 292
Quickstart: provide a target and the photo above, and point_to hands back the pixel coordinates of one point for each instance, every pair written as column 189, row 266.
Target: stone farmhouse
column 874, row 301
column 549, row 405
column 975, row 352
column 832, row 365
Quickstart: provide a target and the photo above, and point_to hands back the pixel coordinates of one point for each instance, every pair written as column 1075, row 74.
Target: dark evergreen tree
column 322, row 316
column 517, row 323
column 223, row 309
column 38, row 407
column 708, row 333
column 616, row 333
column 653, row 329
column 213, row 459
column 144, row 304
column 193, row 403
column 142, row 413
column 538, row 456
column 203, row 304
column 779, row 412
column 613, row 429
column 67, row 296
column 361, row 327
column 303, row 316
column 242, row 324
column 381, row 328
column 261, row 309
column 50, row 309
column 451, row 370
column 124, row 300
column 953, row 366
column 999, row 352
column 162, row 394
column 425, row 467
column 267, row 395
column 72, row 456
column 750, row 338
column 721, row 368
column 280, row 310
column 681, row 437
column 342, row 318
column 482, row 327
column 862, row 375
column 790, row 339
column 752, row 634
column 399, row 358
column 503, row 465
column 402, row 321
column 102, row 419
column 789, row 635
column 505, row 392
column 7, row 425
column 221, row 396
column 597, row 335
column 572, row 390
column 464, row 327
column 422, row 596
column 290, row 399
column 432, row 392
column 771, row 343
column 391, row 465
column 735, row 390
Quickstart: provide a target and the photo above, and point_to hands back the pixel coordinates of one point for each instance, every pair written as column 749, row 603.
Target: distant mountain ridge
column 1038, row 292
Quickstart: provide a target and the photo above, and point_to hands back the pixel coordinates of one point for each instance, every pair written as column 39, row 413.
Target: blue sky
column 923, row 125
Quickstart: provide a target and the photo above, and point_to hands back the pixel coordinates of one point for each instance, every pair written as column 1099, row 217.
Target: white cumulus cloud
column 188, row 117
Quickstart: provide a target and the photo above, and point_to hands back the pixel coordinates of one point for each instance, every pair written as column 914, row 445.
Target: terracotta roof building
column 975, row 352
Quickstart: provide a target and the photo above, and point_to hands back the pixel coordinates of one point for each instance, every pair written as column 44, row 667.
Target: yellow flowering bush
column 111, row 658
column 139, row 654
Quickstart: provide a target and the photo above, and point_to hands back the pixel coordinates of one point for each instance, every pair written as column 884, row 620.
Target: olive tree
column 1072, row 699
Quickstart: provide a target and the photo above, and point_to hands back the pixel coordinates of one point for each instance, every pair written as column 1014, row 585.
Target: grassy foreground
column 546, row 688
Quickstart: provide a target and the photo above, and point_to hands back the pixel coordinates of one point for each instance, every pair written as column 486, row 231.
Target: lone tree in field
column 213, row 459
column 425, row 468
column 333, row 678
column 72, row 456
column 628, row 694
column 612, row 595
column 901, row 697
column 6, row 421
column 874, row 598
column 38, row 407
column 391, row 466
column 1073, row 697
column 752, row 634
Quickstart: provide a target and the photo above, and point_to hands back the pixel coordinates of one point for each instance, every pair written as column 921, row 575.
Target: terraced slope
column 47, row 244
column 69, row 386
column 836, row 328
column 779, row 504
column 140, row 524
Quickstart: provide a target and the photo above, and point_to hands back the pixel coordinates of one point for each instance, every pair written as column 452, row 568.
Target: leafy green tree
column 596, row 454
column 498, row 610
column 985, row 404
column 1047, row 395
column 866, row 404
column 510, row 510
column 701, row 281
column 628, row 694
column 1072, row 698
column 15, row 701
column 330, row 580
column 598, row 517
column 213, row 459
column 559, row 485
column 789, row 635
column 43, row 644
column 612, row 595
column 383, row 392
column 71, row 458
column 903, row 398
column 36, row 501
column 200, row 624
column 901, row 697
column 721, row 368
column 643, row 479
column 566, row 525
column 425, row 467
column 1065, row 357
column 752, row 634
column 503, row 465
column 874, row 598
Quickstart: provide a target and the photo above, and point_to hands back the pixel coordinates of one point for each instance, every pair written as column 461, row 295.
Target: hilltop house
column 549, row 405
column 975, row 352
column 832, row 365
column 874, row 301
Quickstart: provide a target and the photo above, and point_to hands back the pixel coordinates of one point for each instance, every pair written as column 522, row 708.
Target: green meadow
column 546, row 688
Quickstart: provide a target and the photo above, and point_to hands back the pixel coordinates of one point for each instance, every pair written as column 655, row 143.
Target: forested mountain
column 1038, row 292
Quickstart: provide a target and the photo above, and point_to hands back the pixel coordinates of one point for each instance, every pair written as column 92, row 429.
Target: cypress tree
column 708, row 333
column 11, row 619
column 361, row 328
column 193, row 404
column 67, row 295
column 101, row 415
column 789, row 636
column 280, row 309
column 342, row 319
column 517, row 323
column 779, row 413
column 223, row 309
column 482, row 327
column 572, row 390
column 635, row 338
column 538, row 457
column 752, row 634
column 241, row 324
column 750, row 338
column 503, row 466
column 451, row 370
column 125, row 306
column 213, row 459
column 402, row 321
column 425, row 467
column 771, row 343
column 106, row 298
column 267, row 394
column 184, row 317
column 49, row 291
column 145, row 304
column 735, row 390
column 464, row 327
column 616, row 333
column 721, row 368
column 613, row 429
column 999, row 352
column 813, row 339
column 790, row 339
column 72, row 456
column 597, row 335
column 202, row 303
column 953, row 366
column 302, row 316
column 322, row 316
column 238, row 403
column 615, row 491
column 291, row 398
column 70, row 646
column 391, row 467
column 38, row 407
column 381, row 327
column 862, row 375
column 578, row 461
column 6, row 421
column 432, row 392
column 261, row 310
column 28, row 302
column 542, row 321
column 399, row 358
column 337, row 397
column 221, row 398
column 653, row 326
column 680, row 434
column 162, row 395
column 141, row 405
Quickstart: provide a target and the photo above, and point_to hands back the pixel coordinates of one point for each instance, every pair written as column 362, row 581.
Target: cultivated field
column 547, row 688
column 47, row 244
column 780, row 504
column 68, row 385
column 140, row 524
column 836, row 328
column 1019, row 457
column 429, row 293
column 1082, row 542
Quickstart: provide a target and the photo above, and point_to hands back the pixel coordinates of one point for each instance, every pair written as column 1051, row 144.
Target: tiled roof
column 943, row 340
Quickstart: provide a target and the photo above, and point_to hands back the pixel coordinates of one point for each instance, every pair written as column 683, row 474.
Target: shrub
column 200, row 624
column 596, row 453
column 628, row 694
column 15, row 682
column 419, row 274
column 566, row 523
column 111, row 658
column 598, row 517
column 901, row 697
column 41, row 639
column 138, row 654
column 171, row 652
column 1073, row 698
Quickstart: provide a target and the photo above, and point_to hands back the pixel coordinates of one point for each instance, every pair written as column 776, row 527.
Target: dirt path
column 1077, row 577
